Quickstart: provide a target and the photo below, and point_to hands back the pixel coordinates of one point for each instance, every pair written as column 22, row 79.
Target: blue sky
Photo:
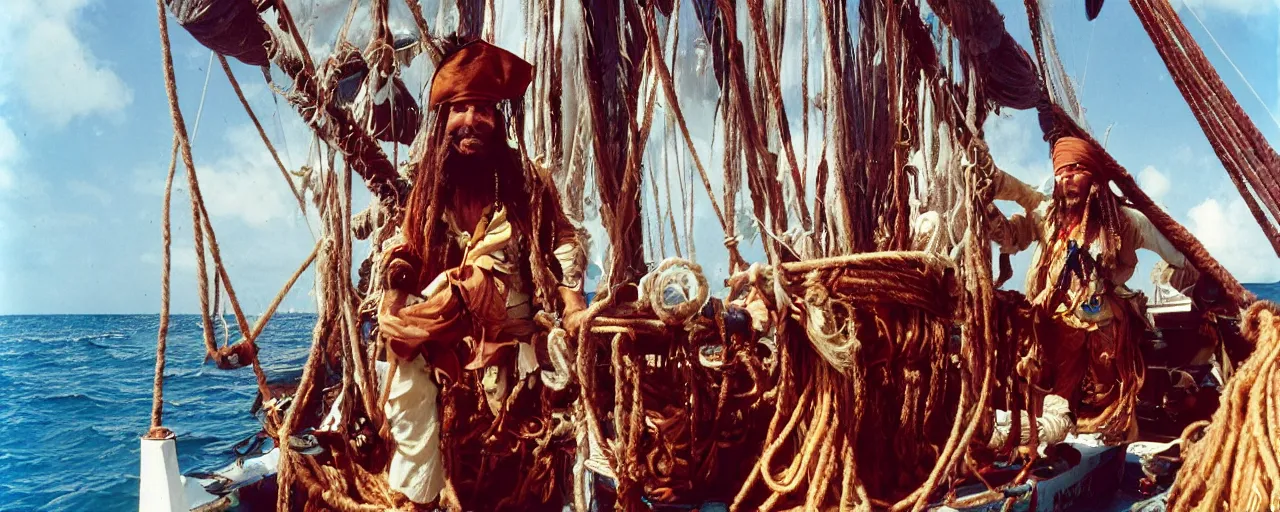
column 85, row 136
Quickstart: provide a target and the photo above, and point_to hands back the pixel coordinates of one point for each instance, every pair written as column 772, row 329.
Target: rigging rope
column 235, row 85
column 1239, row 73
column 668, row 88
column 1250, row 161
column 773, row 86
column 229, row 356
column 157, row 400
column 180, row 136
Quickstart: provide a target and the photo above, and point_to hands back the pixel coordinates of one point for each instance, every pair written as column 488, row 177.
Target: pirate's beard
column 1075, row 202
column 494, row 173
column 1070, row 206
column 473, row 172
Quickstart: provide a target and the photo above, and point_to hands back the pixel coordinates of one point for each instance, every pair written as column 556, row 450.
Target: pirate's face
column 471, row 125
column 1074, row 181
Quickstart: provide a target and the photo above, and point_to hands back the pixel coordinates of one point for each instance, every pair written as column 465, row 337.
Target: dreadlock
column 1100, row 224
column 519, row 189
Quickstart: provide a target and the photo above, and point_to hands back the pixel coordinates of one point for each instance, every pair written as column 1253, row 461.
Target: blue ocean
column 78, row 398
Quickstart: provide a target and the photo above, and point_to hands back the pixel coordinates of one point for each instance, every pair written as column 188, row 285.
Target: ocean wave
column 76, row 397
column 89, row 495
column 92, row 338
column 38, row 339
column 125, row 355
column 75, row 435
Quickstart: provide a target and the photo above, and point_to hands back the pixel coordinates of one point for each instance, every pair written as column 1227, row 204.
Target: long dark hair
column 1100, row 222
column 442, row 169
column 529, row 203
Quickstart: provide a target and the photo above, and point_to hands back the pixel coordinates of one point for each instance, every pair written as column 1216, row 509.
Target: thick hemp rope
column 840, row 408
column 157, row 400
column 1230, row 463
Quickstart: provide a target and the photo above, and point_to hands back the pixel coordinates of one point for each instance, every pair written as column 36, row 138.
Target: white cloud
column 10, row 150
column 241, row 195
column 1239, row 7
column 58, row 76
column 1154, row 183
column 244, row 183
column 238, row 178
column 1233, row 237
column 89, row 190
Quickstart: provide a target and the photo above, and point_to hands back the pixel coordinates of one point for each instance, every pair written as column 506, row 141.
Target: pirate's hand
column 573, row 321
column 575, row 309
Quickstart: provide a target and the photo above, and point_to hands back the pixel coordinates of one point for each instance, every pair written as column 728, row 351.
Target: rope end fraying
column 159, row 433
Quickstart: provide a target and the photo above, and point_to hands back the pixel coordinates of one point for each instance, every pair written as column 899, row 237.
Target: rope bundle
column 678, row 429
column 1230, row 463
column 866, row 369
column 1251, row 163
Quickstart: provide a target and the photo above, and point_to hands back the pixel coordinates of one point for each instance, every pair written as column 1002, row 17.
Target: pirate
column 1086, row 253
column 486, row 246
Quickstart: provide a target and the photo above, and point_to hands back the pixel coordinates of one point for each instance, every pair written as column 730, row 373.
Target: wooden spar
column 471, row 14
column 334, row 123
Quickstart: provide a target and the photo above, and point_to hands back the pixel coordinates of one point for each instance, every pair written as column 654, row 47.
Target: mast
column 615, row 53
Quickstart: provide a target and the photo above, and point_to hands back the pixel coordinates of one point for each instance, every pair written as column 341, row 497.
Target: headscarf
column 1073, row 150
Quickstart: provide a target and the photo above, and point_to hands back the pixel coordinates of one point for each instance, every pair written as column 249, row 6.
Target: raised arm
column 1009, row 188
column 1013, row 234
column 1143, row 234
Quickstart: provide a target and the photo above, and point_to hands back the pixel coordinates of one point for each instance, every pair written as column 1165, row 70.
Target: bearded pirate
column 1091, row 323
column 486, row 246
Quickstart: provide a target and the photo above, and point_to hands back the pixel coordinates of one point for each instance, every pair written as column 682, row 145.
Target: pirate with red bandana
column 1086, row 253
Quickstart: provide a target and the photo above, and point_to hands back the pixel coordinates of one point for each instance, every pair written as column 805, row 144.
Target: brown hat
column 480, row 71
